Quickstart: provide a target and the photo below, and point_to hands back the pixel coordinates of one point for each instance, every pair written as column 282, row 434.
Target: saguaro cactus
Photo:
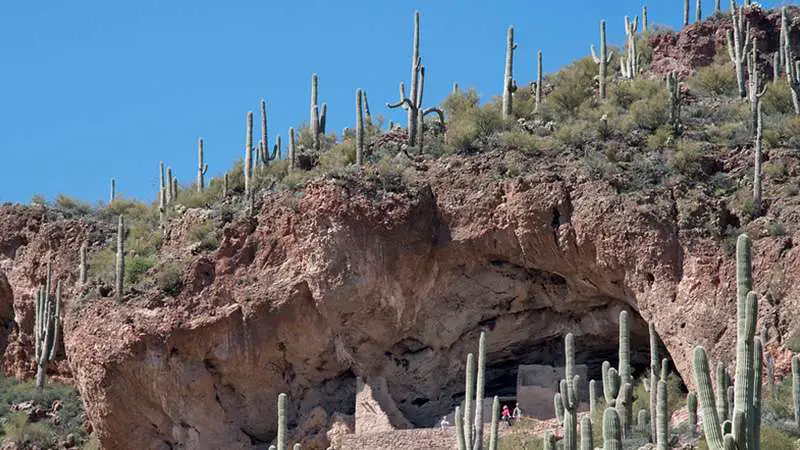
column 747, row 401
column 291, row 156
column 592, row 397
column 120, row 269
column 509, row 85
column 738, row 44
column 549, row 441
column 662, row 419
column 644, row 18
column 493, row 430
column 796, row 389
column 282, row 423
column 568, row 396
column 462, row 444
column 413, row 103
column 757, row 166
column 655, row 369
column 586, row 433
column 792, row 66
column 757, row 87
column 113, row 191
column 202, row 168
column 359, row 129
column 162, row 196
column 473, row 428
column 248, row 154
column 722, row 392
column 674, row 88
column 612, row 439
column 698, row 11
column 603, row 60
column 538, row 81
column 624, row 407
column 629, row 62
column 685, row 12
column 641, row 420
column 47, row 317
column 691, row 404
column 315, row 119
column 83, row 273
column 479, row 389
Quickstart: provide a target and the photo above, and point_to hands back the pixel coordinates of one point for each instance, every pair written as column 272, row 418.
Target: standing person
column 506, row 415
column 444, row 423
column 517, row 412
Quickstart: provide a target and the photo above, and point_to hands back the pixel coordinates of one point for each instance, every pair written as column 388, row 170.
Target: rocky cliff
column 377, row 276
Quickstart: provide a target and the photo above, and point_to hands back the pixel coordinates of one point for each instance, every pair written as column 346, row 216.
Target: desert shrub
column 717, row 79
column 743, row 203
column 662, row 138
column 777, row 99
column 775, row 170
column 625, row 93
column 524, row 102
column 169, row 278
column 38, row 200
column 650, row 113
column 339, row 156
column 72, row 207
column 573, row 85
column 204, row 233
column 686, row 159
column 133, row 210
column 598, row 167
column 137, row 267
column 787, row 131
column 191, row 198
column 518, row 140
column 70, row 415
column 24, row 434
column 93, row 443
column 645, row 170
column 575, row 134
column 102, row 265
column 470, row 123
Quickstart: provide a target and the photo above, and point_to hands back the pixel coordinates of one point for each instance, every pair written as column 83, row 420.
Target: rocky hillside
column 527, row 232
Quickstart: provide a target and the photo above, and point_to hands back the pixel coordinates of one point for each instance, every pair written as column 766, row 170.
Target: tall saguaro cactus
column 82, row 270
column 567, row 395
column 796, row 389
column 644, row 18
column 292, row 150
column 792, row 67
column 113, row 191
column 586, row 433
column 47, row 317
column 413, row 103
column 538, row 81
column 662, row 418
column 248, row 155
column 674, row 88
column 698, row 11
column 745, row 433
column 757, row 166
column 738, row 39
column 202, row 168
column 509, row 85
column 722, row 392
column 471, row 431
column 282, row 424
column 757, row 87
column 629, row 63
column 162, row 196
column 685, row 12
column 691, row 405
column 120, row 269
column 318, row 118
column 612, row 437
column 603, row 60
column 493, row 429
column 359, row 129
column 655, row 369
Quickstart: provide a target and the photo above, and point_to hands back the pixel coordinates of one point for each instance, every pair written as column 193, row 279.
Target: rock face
column 376, row 278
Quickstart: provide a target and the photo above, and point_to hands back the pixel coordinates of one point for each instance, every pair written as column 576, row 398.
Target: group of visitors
column 506, row 416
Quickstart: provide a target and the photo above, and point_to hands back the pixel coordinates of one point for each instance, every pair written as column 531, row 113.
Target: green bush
column 625, row 93
column 102, row 265
column 686, row 159
column 777, row 99
column 339, row 156
column 650, row 113
column 204, row 233
column 136, row 267
column 575, row 134
column 718, row 79
column 72, row 208
column 573, row 85
column 469, row 123
column 519, row 140
column 169, row 278
column 24, row 434
column 524, row 102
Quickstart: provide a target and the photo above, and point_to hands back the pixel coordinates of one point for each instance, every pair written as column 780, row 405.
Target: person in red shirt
column 507, row 415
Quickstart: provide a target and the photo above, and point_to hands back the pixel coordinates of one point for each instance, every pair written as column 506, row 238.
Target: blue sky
column 94, row 89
